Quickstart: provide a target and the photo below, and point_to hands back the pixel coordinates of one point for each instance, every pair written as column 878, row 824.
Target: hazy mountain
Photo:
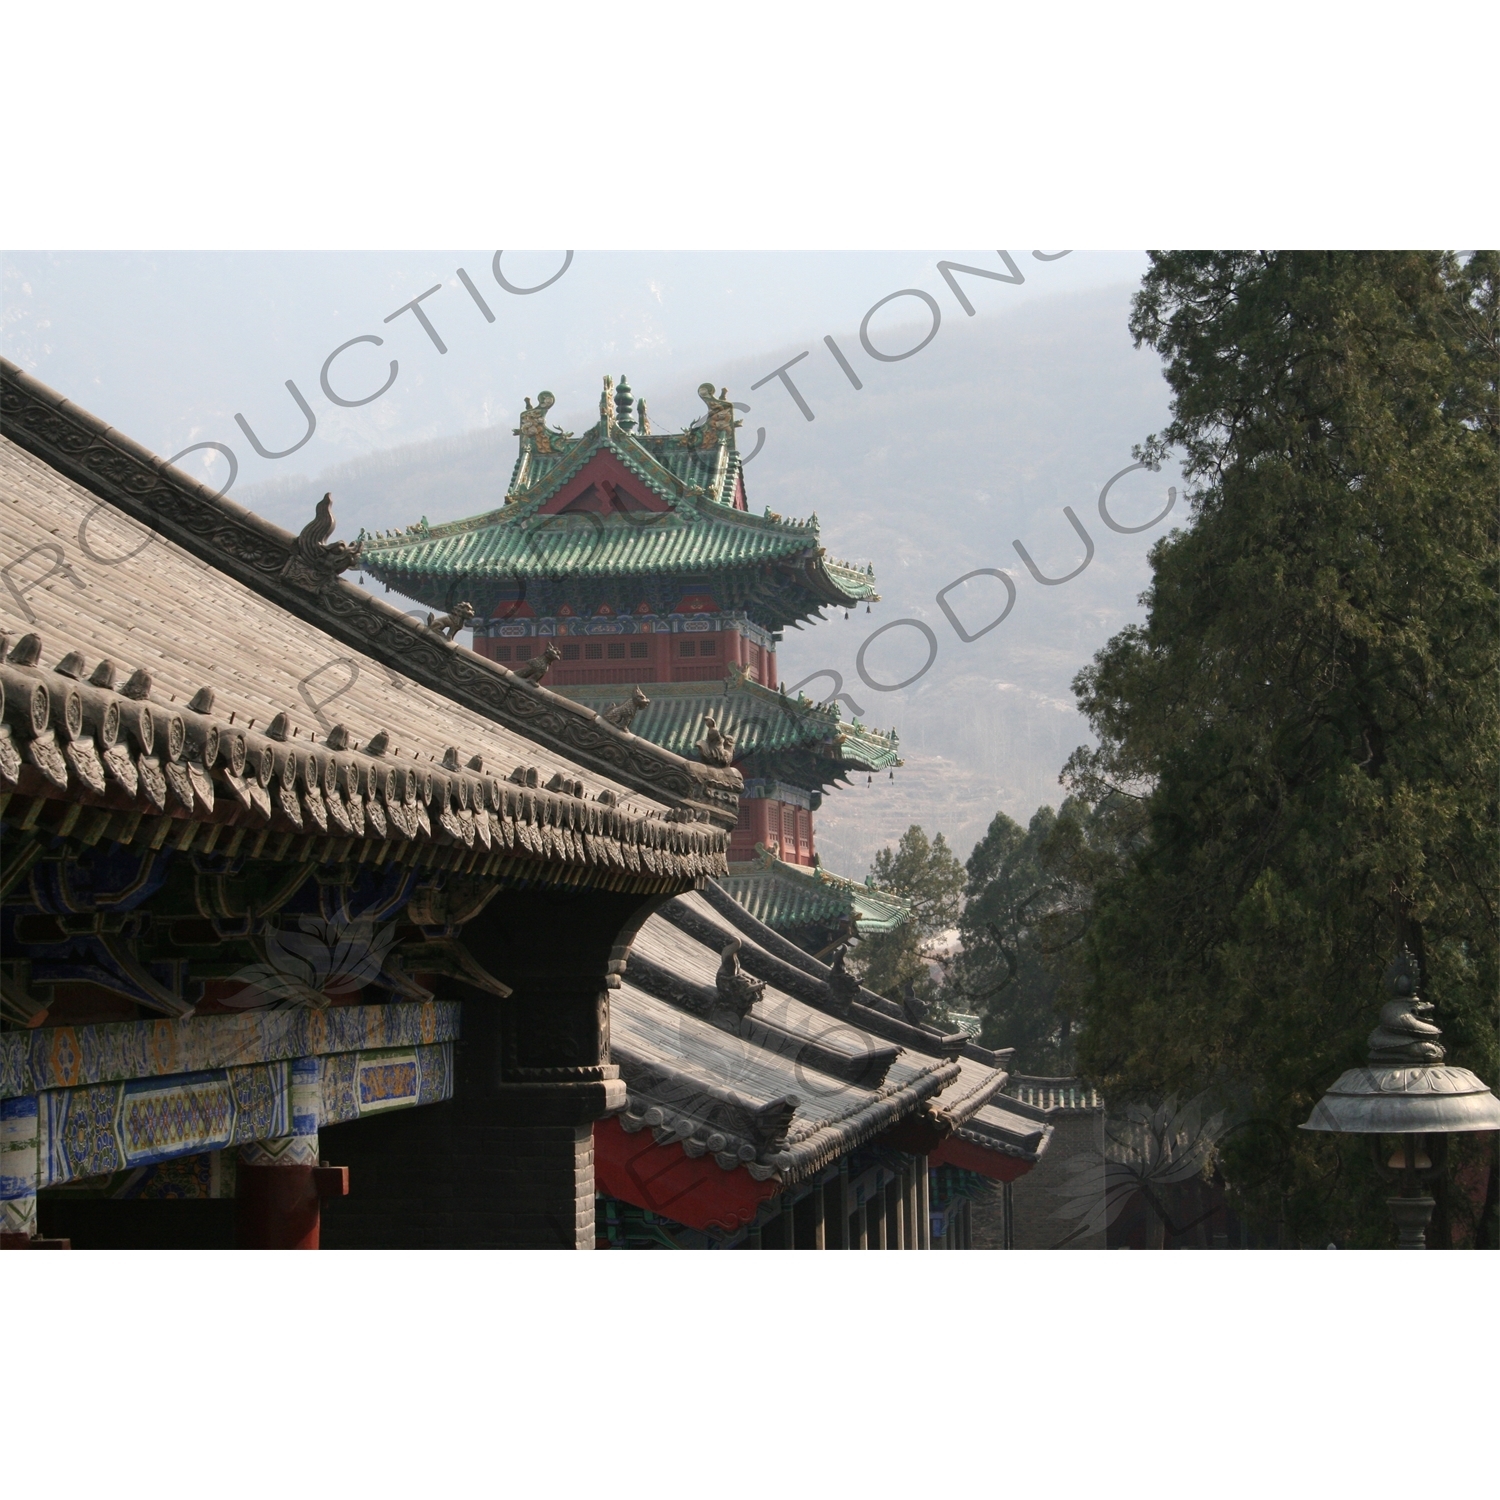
column 441, row 479
column 930, row 471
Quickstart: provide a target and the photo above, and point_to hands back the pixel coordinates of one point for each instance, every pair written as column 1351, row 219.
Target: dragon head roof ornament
column 534, row 432
column 1403, row 1035
column 718, row 426
column 315, row 561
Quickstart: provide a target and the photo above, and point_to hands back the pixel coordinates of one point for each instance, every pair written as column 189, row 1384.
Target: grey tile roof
column 794, row 1082
column 214, row 664
column 715, row 1092
column 1003, row 1125
column 171, row 577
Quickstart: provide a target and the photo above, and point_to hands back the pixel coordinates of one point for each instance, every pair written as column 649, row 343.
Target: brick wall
column 1042, row 1218
column 443, row 1177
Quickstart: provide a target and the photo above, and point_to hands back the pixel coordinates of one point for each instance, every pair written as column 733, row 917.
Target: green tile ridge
column 707, row 533
column 785, row 896
column 760, row 720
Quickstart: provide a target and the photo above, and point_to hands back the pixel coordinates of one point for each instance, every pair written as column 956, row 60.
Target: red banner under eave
column 957, row 1152
column 665, row 1180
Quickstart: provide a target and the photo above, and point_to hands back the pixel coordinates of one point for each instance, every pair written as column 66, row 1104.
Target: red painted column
column 280, row 1207
column 280, row 1183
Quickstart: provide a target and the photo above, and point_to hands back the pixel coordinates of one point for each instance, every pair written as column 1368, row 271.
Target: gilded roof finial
column 718, row 426
column 607, row 402
column 533, row 431
column 642, row 419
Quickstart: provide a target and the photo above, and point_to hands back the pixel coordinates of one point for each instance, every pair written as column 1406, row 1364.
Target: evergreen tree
column 929, row 876
column 1006, row 971
column 1299, row 748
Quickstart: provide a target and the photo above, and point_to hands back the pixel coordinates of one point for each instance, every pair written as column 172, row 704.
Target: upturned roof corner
column 622, row 500
column 804, row 738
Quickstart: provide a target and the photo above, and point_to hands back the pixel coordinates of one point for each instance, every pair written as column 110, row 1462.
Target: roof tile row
column 69, row 735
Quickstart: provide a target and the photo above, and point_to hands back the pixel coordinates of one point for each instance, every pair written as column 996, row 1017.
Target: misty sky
column 169, row 346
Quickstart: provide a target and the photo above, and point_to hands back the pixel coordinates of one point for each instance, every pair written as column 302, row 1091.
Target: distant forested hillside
column 447, row 477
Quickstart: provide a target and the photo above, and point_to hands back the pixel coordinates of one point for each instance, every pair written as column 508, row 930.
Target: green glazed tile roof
column 809, row 742
column 786, row 897
column 700, row 532
column 694, row 536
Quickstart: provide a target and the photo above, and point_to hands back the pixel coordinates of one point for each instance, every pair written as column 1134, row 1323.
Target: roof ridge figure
column 534, row 432
column 717, row 427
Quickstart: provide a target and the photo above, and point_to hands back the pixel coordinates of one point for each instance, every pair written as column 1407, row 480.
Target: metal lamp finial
column 1407, row 1090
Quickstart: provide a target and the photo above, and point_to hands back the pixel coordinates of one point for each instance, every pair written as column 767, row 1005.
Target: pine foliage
column 1299, row 749
column 926, row 872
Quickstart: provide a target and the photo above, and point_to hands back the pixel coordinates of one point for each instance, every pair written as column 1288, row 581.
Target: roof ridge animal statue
column 622, row 714
column 534, row 431
column 536, row 669
column 315, row 562
column 450, row 624
column 915, row 1008
column 843, row 987
column 718, row 424
column 717, row 749
column 736, row 989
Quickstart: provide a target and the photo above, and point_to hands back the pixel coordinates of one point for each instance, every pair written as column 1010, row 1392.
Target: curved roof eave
column 786, row 894
column 264, row 558
column 760, row 721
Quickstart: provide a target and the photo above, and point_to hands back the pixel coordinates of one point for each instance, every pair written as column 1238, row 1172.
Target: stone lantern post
column 1407, row 1092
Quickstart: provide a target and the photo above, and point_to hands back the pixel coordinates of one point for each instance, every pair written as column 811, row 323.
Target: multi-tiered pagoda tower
column 629, row 563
